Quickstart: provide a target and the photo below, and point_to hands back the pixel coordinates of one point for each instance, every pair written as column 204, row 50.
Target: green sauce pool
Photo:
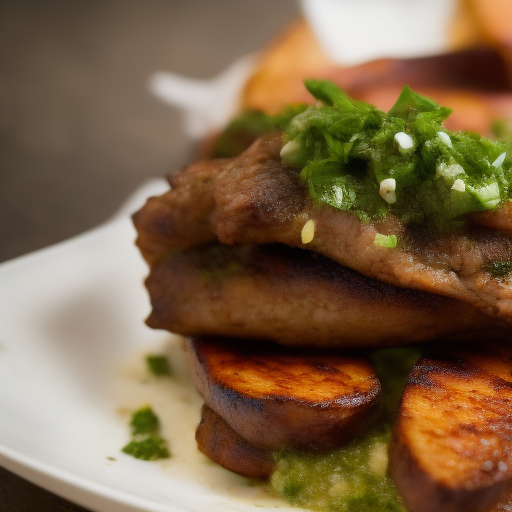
column 354, row 478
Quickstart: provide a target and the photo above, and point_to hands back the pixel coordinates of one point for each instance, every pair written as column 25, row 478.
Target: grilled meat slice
column 452, row 444
column 505, row 505
column 179, row 218
column 249, row 199
column 275, row 398
column 255, row 198
column 500, row 219
column 220, row 443
column 295, row 297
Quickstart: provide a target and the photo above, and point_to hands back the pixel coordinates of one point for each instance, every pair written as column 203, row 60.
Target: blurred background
column 79, row 130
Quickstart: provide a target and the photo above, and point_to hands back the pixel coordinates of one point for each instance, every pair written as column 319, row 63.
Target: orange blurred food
column 475, row 80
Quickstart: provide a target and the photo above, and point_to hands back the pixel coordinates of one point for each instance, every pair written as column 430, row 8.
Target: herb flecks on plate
column 158, row 365
column 146, row 443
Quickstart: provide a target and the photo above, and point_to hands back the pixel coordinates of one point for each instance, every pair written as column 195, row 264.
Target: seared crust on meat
column 451, row 265
column 255, row 198
column 452, row 444
column 220, row 443
column 296, row 297
column 500, row 219
column 274, row 398
column 180, row 218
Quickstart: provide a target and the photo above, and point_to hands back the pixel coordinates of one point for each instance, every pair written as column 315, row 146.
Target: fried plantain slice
column 220, row 443
column 275, row 398
column 452, row 444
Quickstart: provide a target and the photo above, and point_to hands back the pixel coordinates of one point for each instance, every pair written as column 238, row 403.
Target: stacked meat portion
column 283, row 299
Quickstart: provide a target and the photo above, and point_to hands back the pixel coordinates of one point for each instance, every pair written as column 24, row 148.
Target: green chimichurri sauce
column 499, row 268
column 356, row 157
column 158, row 365
column 150, row 448
column 351, row 479
column 146, row 444
column 355, row 477
column 144, row 421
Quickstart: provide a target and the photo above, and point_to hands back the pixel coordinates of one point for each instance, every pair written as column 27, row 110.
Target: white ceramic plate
column 71, row 371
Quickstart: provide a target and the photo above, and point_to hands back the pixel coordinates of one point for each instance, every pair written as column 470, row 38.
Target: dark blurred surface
column 79, row 130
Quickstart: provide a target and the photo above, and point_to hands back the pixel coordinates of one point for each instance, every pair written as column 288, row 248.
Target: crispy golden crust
column 220, row 443
column 274, row 398
column 452, row 444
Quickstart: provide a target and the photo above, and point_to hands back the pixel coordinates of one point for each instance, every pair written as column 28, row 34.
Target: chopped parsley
column 150, row 448
column 499, row 268
column 146, row 443
column 355, row 157
column 144, row 421
column 388, row 241
column 158, row 365
column 251, row 124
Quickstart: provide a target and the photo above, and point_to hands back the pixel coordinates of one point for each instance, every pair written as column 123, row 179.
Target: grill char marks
column 452, row 444
column 273, row 398
column 296, row 297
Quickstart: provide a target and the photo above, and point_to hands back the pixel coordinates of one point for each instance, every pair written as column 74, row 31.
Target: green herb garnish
column 250, row 125
column 388, row 241
column 158, row 365
column 144, row 421
column 358, row 158
column 146, row 443
column 499, row 268
column 150, row 448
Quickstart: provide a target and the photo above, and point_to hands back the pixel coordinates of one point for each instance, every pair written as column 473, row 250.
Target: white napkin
column 207, row 105
column 355, row 31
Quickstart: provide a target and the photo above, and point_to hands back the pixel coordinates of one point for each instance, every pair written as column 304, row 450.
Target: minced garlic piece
column 499, row 161
column 404, row 141
column 308, row 232
column 459, row 185
column 445, row 138
column 289, row 148
column 387, row 190
column 379, row 459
